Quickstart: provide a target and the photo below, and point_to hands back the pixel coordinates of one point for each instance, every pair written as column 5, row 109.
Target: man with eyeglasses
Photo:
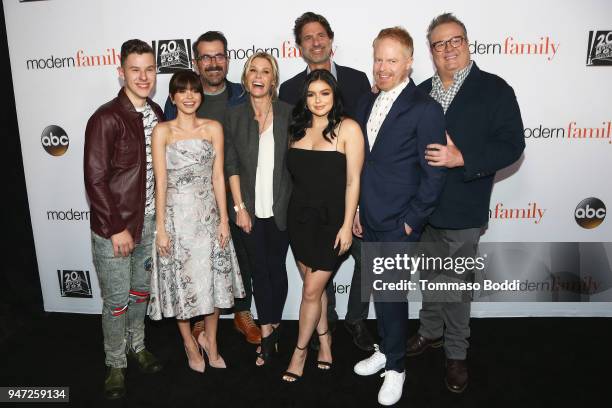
column 484, row 134
column 314, row 37
column 211, row 63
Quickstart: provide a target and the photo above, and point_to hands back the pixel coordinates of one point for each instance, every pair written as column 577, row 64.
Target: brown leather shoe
column 456, row 375
column 417, row 344
column 197, row 328
column 243, row 322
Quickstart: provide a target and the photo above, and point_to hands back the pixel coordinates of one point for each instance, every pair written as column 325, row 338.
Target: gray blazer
column 241, row 132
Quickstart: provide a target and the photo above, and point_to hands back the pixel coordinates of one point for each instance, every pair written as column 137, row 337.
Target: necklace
column 266, row 118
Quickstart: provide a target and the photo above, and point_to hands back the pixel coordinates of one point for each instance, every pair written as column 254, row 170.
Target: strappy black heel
column 324, row 365
column 295, row 377
column 268, row 345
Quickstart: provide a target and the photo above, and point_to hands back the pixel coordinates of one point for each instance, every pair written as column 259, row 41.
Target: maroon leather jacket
column 114, row 166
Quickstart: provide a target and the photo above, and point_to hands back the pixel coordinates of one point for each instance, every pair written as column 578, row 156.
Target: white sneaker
column 391, row 390
column 372, row 364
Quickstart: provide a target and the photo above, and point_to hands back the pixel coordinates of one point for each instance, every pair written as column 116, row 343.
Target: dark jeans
column 266, row 247
column 392, row 317
column 242, row 304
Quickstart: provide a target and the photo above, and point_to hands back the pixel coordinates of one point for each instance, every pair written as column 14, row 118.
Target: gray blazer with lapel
column 241, row 152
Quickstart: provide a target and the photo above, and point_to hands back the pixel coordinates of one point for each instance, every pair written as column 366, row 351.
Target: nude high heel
column 218, row 363
column 199, row 366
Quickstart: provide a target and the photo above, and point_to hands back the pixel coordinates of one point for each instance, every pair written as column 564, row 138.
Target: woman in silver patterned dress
column 195, row 268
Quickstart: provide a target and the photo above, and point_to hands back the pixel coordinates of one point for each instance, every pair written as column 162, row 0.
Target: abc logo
column 590, row 212
column 54, row 140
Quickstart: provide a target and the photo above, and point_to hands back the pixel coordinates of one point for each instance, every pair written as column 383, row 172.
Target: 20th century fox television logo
column 74, row 283
column 600, row 48
column 172, row 55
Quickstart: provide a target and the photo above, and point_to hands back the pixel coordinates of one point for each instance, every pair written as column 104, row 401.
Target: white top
column 264, row 194
column 149, row 120
column 381, row 109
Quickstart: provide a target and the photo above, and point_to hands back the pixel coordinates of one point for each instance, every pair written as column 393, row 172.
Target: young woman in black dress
column 325, row 159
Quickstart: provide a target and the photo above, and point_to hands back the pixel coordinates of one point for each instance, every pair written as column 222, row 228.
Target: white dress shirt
column 381, row 109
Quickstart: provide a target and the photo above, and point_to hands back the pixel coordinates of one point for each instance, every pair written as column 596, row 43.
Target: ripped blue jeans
column 124, row 283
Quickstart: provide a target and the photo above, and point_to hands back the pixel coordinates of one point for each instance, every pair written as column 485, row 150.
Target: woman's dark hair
column 183, row 80
column 302, row 117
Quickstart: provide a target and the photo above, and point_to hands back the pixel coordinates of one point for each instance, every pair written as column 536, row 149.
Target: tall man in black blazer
column 484, row 133
column 314, row 37
column 399, row 189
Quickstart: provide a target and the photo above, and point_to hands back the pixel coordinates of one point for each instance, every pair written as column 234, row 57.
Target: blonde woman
column 256, row 134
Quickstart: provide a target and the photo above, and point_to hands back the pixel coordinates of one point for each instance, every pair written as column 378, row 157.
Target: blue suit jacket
column 397, row 184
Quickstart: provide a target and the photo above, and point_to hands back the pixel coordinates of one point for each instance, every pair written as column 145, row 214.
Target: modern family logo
column 81, row 59
column 67, row 215
column 544, row 46
column 599, row 50
column 287, row 50
column 532, row 211
column 572, row 131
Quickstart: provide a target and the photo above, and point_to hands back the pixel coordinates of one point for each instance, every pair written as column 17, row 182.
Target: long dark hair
column 302, row 117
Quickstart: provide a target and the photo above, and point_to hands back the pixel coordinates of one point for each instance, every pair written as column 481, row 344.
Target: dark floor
column 528, row 362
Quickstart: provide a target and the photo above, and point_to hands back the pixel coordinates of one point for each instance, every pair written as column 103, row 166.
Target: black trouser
column 242, row 304
column 356, row 309
column 266, row 248
column 332, row 315
column 392, row 317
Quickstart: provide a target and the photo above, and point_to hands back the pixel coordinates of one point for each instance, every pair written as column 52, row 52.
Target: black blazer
column 241, row 132
column 397, row 184
column 352, row 83
column 484, row 121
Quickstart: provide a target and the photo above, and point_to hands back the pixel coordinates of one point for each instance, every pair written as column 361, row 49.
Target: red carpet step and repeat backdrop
column 557, row 55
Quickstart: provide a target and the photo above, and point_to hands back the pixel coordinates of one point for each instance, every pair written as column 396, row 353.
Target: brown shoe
column 417, row 344
column 243, row 322
column 456, row 375
column 197, row 328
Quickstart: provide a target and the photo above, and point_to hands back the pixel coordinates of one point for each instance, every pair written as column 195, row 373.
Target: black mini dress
column 316, row 207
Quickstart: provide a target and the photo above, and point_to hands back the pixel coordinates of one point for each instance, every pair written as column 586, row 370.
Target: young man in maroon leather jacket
column 120, row 186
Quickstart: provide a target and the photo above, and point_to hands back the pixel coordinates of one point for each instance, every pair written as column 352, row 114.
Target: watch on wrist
column 239, row 207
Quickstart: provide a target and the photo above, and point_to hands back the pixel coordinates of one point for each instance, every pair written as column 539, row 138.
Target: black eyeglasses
column 455, row 42
column 207, row 59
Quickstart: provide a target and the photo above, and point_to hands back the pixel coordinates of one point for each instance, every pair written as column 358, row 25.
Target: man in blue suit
column 399, row 189
column 484, row 134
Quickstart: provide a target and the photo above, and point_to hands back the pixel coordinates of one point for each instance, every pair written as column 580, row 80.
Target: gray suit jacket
column 241, row 152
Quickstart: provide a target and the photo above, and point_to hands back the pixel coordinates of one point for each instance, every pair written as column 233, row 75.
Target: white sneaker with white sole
column 391, row 390
column 372, row 364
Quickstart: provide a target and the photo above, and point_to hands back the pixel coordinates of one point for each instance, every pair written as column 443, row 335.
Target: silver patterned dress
column 198, row 275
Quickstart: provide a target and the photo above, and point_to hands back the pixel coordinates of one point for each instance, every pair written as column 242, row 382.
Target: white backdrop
column 63, row 63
